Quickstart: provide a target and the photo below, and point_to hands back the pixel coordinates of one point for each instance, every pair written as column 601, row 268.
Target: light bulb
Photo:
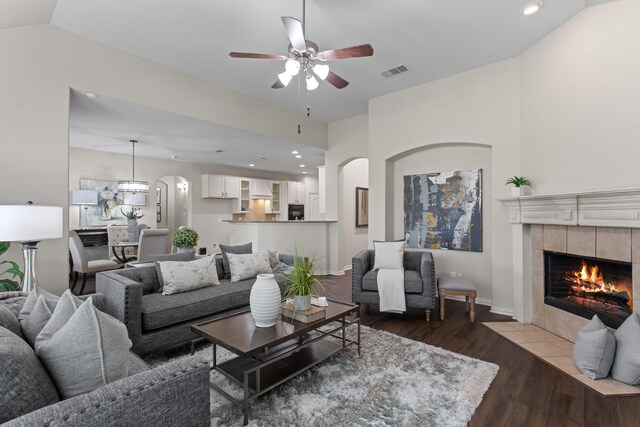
column 312, row 83
column 284, row 78
column 531, row 8
column 292, row 66
column 321, row 70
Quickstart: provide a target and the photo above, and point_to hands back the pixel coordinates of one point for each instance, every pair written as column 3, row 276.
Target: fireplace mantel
column 611, row 208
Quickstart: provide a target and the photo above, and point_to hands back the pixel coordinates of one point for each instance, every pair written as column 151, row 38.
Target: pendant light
column 133, row 186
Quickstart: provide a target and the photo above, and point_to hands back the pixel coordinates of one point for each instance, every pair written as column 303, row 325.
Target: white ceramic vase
column 265, row 301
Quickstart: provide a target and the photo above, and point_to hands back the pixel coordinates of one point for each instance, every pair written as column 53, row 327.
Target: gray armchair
column 419, row 280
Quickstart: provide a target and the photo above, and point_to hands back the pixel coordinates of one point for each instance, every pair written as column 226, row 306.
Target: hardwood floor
column 526, row 391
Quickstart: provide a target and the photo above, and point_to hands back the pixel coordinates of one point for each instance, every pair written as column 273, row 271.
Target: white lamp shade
column 135, row 199
column 292, row 66
column 133, row 186
column 321, row 70
column 284, row 78
column 84, row 197
column 30, row 223
column 312, row 83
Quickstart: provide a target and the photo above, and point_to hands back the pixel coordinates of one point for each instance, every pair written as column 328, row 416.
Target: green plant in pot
column 302, row 282
column 185, row 239
column 10, row 284
column 133, row 215
column 519, row 183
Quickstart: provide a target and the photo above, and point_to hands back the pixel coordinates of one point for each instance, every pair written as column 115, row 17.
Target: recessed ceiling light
column 174, row 157
column 91, row 95
column 262, row 158
column 251, row 164
column 532, row 7
column 304, row 172
column 294, row 152
column 301, row 166
column 219, row 151
column 298, row 156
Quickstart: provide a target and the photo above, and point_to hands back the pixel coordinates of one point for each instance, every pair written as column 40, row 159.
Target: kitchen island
column 309, row 237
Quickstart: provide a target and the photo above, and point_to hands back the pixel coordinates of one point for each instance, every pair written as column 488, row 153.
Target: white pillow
column 247, row 266
column 88, row 352
column 66, row 306
column 183, row 276
column 38, row 317
column 389, row 255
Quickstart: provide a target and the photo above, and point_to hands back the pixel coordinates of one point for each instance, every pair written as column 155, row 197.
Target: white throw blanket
column 391, row 290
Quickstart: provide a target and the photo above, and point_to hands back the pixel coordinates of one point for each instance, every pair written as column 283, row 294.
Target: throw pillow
column 66, row 306
column 30, row 302
column 180, row 256
column 626, row 365
column 37, row 319
column 389, row 255
column 9, row 321
column 25, row 385
column 239, row 249
column 183, row 276
column 88, row 352
column 594, row 349
column 247, row 266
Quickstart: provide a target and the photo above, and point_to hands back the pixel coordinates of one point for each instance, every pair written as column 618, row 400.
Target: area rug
column 395, row 382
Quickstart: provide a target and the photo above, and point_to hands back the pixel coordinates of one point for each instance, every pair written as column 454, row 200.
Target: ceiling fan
column 305, row 57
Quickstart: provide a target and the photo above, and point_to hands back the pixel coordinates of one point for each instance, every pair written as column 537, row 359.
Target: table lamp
column 84, row 198
column 30, row 224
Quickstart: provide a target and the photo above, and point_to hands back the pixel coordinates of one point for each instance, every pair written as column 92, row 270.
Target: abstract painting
column 443, row 210
column 107, row 211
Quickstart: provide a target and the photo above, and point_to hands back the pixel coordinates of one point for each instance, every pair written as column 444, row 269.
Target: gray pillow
column 38, row 318
column 247, row 248
column 90, row 351
column 24, row 383
column 180, row 256
column 248, row 266
column 30, row 302
column 626, row 365
column 10, row 321
column 66, row 306
column 184, row 276
column 594, row 349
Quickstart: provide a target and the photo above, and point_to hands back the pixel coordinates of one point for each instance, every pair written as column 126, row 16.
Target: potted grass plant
column 302, row 282
column 185, row 239
column 10, row 284
column 133, row 216
column 519, row 183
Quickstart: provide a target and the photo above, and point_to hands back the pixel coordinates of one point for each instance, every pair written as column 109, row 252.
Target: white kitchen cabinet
column 261, row 188
column 220, row 186
column 295, row 193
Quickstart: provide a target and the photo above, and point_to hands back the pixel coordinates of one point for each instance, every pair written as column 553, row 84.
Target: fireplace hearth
column 586, row 286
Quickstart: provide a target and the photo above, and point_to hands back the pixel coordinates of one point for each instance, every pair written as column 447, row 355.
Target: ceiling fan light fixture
column 292, row 66
column 321, row 70
column 312, row 83
column 284, row 78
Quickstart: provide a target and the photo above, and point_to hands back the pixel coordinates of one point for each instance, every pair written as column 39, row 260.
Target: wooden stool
column 448, row 286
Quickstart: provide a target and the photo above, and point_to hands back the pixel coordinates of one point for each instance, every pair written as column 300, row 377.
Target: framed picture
column 362, row 207
column 158, row 195
column 158, row 213
column 108, row 209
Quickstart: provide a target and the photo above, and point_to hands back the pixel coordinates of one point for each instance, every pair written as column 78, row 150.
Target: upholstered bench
column 448, row 286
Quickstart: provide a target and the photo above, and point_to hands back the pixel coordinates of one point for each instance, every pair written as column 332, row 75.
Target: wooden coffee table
column 267, row 357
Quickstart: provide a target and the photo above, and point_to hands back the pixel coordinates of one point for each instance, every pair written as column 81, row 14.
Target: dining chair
column 152, row 242
column 115, row 235
column 81, row 263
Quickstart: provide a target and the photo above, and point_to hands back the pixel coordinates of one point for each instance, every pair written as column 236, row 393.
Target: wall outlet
column 452, row 274
column 459, row 274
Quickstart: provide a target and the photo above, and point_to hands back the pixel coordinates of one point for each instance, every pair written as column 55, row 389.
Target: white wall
column 40, row 64
column 310, row 186
column 354, row 239
column 473, row 265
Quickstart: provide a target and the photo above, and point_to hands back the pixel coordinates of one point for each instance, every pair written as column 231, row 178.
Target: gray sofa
column 158, row 322
column 175, row 394
column 419, row 280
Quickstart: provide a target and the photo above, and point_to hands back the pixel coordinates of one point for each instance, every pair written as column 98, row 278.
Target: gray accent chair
column 419, row 280
column 152, row 242
column 175, row 394
column 158, row 322
column 81, row 263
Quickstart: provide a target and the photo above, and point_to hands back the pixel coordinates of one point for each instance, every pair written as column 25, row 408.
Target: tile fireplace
column 586, row 286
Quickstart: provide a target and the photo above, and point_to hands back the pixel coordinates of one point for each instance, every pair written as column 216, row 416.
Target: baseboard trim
column 336, row 273
column 501, row 310
column 480, row 301
column 347, row 267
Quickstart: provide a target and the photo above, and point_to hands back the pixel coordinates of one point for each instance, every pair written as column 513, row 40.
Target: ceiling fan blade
column 257, row 56
column 277, row 85
column 347, row 52
column 295, row 33
column 336, row 80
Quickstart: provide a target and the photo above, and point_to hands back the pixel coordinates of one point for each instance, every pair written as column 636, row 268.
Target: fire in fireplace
column 586, row 286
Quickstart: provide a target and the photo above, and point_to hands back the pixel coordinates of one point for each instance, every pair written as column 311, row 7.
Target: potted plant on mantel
column 302, row 280
column 519, row 182
column 132, row 222
column 185, row 239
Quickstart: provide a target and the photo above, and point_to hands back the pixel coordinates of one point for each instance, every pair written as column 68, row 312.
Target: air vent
column 395, row 71
column 219, row 151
